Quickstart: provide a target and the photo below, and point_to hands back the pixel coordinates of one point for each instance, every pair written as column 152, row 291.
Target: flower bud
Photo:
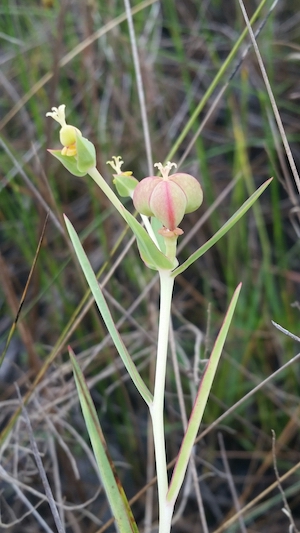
column 67, row 134
column 168, row 198
column 124, row 181
column 78, row 154
column 67, row 137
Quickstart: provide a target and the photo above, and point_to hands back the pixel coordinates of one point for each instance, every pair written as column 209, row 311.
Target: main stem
column 157, row 407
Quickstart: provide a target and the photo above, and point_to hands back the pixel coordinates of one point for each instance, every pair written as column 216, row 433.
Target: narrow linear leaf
column 112, row 485
column 106, row 315
column 227, row 226
column 200, row 403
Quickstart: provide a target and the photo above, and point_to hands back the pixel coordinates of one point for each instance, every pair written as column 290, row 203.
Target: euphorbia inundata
column 168, row 198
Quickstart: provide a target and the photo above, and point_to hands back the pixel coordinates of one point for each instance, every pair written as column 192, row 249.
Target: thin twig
column 57, row 480
column 220, row 94
column 31, row 187
column 258, row 498
column 32, row 509
column 40, row 467
column 285, row 331
column 69, row 56
column 287, row 511
column 14, row 325
column 140, row 87
column 230, row 482
column 185, row 424
column 272, row 98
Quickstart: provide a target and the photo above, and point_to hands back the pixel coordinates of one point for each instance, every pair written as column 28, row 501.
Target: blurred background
column 79, row 53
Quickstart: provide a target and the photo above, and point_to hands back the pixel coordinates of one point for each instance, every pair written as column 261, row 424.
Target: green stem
column 95, row 174
column 171, row 247
column 157, row 407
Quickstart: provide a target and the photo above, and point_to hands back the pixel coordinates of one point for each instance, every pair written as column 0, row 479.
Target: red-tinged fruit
column 142, row 195
column 192, row 189
column 168, row 198
column 168, row 202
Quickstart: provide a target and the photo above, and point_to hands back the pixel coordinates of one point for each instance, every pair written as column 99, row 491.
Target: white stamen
column 58, row 114
column 116, row 164
column 165, row 169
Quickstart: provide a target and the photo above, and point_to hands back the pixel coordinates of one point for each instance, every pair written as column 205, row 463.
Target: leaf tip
column 71, row 353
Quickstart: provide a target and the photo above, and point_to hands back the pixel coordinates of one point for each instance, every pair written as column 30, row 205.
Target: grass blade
column 213, row 85
column 105, row 312
column 112, row 485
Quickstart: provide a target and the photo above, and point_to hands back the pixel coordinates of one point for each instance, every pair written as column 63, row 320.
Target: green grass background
column 182, row 47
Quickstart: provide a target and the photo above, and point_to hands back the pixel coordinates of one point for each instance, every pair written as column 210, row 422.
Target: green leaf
column 114, row 491
column 69, row 162
column 125, row 184
column 84, row 160
column 150, row 254
column 86, row 154
column 200, row 403
column 106, row 315
column 227, row 226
